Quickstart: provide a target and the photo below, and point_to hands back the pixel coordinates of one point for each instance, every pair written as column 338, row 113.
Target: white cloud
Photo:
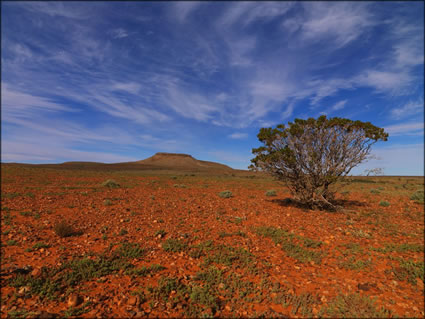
column 119, row 33
column 339, row 105
column 28, row 152
column 130, row 87
column 15, row 103
column 391, row 81
column 342, row 22
column 237, row 136
column 411, row 128
column 248, row 12
column 182, row 9
column 188, row 104
column 410, row 108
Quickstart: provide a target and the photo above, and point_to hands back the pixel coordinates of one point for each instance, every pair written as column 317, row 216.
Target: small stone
column 420, row 283
column 364, row 287
column 327, row 242
column 159, row 236
column 228, row 308
column 74, row 300
column 46, row 315
column 36, row 272
column 415, row 308
column 24, row 290
column 221, row 285
column 41, row 250
column 132, row 301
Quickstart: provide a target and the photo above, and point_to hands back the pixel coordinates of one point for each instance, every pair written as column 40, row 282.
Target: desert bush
column 110, row 183
column 310, row 156
column 107, row 202
column 384, row 203
column 63, row 229
column 225, row 194
column 271, row 192
column 418, row 196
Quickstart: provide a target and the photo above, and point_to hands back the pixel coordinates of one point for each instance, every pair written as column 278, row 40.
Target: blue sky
column 113, row 82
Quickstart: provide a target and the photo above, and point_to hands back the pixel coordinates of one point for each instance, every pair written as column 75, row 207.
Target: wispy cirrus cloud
column 409, row 128
column 119, row 33
column 237, row 135
column 198, row 64
column 408, row 109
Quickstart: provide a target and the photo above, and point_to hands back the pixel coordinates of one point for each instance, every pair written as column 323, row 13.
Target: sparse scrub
column 37, row 246
column 225, row 194
column 409, row 270
column 63, row 229
column 110, row 183
column 384, row 203
column 353, row 306
column 26, row 213
column 375, row 191
column 160, row 232
column 355, row 264
column 123, row 232
column 418, row 197
column 180, row 186
column 271, row 192
column 107, row 202
column 174, row 245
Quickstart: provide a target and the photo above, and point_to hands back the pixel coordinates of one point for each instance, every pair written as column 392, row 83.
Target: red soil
column 143, row 205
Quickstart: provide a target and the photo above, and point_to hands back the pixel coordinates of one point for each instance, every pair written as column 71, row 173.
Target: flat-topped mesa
column 172, row 154
column 181, row 161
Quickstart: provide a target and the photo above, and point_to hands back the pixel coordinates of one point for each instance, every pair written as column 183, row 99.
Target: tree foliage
column 311, row 155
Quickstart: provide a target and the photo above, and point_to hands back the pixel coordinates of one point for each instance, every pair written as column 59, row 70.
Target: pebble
column 132, row 301
column 24, row 290
column 74, row 300
column 420, row 283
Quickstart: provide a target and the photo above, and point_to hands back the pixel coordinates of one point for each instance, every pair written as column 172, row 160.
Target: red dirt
column 187, row 207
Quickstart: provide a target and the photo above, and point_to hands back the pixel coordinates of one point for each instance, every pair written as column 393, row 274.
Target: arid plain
column 96, row 241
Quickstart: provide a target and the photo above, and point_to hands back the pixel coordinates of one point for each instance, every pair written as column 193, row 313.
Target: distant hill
column 159, row 161
column 180, row 161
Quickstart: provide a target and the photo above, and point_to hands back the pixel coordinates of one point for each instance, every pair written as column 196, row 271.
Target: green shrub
column 353, row 306
column 375, row 191
column 225, row 194
column 174, row 245
column 160, row 232
column 180, row 186
column 63, row 229
column 110, row 183
column 123, row 232
column 107, row 202
column 384, row 203
column 271, row 192
column 418, row 196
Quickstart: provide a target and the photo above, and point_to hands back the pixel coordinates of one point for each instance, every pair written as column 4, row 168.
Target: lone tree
column 311, row 155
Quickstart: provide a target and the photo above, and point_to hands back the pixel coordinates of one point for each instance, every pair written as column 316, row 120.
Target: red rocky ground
column 169, row 246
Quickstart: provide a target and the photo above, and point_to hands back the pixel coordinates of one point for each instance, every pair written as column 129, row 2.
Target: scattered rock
column 364, row 287
column 36, row 272
column 420, row 283
column 46, row 315
column 221, row 285
column 74, row 300
column 132, row 301
column 24, row 290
